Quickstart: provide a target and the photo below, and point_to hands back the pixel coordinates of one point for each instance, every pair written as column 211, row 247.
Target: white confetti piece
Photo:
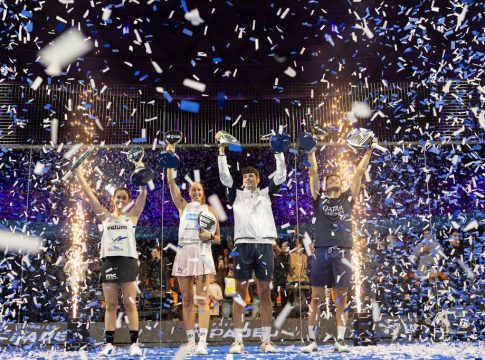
column 54, row 131
column 39, row 168
column 194, row 17
column 192, row 84
column 282, row 316
column 471, row 226
column 216, row 203
column 16, row 241
column 64, row 50
column 290, row 71
column 36, row 83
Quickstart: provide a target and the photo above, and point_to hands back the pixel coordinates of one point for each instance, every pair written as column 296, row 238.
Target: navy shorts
column 327, row 267
column 257, row 257
column 119, row 269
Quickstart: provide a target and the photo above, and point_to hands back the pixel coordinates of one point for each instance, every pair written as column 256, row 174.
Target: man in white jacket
column 254, row 236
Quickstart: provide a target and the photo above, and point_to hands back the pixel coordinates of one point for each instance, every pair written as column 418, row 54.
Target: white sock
column 190, row 336
column 238, row 335
column 202, row 335
column 341, row 332
column 312, row 329
column 266, row 333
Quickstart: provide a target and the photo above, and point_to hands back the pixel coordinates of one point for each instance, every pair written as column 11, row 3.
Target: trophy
column 362, row 138
column 168, row 159
column 308, row 141
column 141, row 176
column 223, row 137
column 279, row 142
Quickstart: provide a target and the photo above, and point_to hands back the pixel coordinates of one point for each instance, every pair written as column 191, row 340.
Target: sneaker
column 311, row 347
column 201, row 349
column 236, row 348
column 108, row 350
column 135, row 350
column 268, row 347
column 340, row 346
column 189, row 348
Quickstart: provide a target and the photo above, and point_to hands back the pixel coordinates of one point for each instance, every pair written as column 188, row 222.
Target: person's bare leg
column 110, row 292
column 238, row 310
column 186, row 284
column 129, row 301
column 265, row 304
column 341, row 300
column 203, row 305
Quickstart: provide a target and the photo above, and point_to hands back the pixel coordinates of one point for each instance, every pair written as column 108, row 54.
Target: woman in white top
column 119, row 259
column 194, row 259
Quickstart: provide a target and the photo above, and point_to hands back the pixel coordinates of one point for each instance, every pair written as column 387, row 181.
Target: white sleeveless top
column 188, row 228
column 118, row 237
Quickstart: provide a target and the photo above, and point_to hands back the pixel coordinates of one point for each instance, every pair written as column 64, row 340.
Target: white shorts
column 194, row 259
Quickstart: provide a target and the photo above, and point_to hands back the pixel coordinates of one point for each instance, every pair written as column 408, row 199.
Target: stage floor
column 383, row 351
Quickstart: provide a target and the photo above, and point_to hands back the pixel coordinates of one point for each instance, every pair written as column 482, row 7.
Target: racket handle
column 306, row 244
column 378, row 147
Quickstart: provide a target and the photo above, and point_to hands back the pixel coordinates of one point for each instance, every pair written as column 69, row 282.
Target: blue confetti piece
column 29, row 26
column 233, row 253
column 26, row 13
column 139, row 140
column 307, row 163
column 221, row 99
column 167, row 96
column 184, row 5
column 216, row 60
column 187, row 32
column 293, row 151
column 190, row 106
column 235, row 148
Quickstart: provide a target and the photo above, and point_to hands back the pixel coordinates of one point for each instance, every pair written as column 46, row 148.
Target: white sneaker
column 340, row 346
column 236, row 348
column 311, row 347
column 190, row 348
column 108, row 350
column 201, row 349
column 135, row 350
column 268, row 347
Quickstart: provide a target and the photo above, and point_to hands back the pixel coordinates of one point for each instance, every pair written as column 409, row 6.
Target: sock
column 311, row 332
column 266, row 333
column 191, row 336
column 202, row 335
column 238, row 335
column 134, row 336
column 110, row 337
column 341, row 332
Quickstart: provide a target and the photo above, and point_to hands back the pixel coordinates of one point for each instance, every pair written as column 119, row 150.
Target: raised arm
column 177, row 198
column 100, row 211
column 136, row 210
column 224, row 173
column 280, row 175
column 313, row 174
column 357, row 179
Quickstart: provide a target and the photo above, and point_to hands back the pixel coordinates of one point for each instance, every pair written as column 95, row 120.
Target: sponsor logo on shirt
column 111, row 276
column 115, row 248
column 117, row 227
column 120, row 238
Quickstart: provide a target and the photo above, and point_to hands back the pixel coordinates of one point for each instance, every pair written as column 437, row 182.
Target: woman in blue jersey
column 194, row 259
column 119, row 259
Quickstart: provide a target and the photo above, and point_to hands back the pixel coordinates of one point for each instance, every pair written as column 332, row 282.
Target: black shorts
column 257, row 257
column 330, row 267
column 119, row 269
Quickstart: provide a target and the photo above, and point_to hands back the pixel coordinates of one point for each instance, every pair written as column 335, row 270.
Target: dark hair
column 455, row 231
column 427, row 229
column 122, row 188
column 249, row 170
